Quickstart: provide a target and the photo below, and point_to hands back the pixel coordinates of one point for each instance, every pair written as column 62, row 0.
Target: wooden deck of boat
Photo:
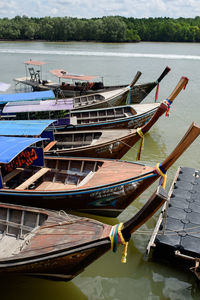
column 144, row 107
column 74, row 139
column 108, row 173
column 34, row 84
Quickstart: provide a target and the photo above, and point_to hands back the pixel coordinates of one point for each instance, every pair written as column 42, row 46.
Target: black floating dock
column 176, row 237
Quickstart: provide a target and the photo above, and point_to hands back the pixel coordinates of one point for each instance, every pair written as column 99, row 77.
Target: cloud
column 89, row 8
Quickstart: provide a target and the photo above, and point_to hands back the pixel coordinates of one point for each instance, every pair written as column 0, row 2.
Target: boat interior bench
column 55, row 179
column 15, row 228
column 12, row 174
column 32, row 179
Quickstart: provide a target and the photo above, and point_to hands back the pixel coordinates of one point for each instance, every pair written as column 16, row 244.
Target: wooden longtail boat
column 80, row 84
column 58, row 246
column 138, row 92
column 60, row 107
column 95, row 100
column 117, row 117
column 98, row 186
column 112, row 143
column 106, row 143
column 94, row 143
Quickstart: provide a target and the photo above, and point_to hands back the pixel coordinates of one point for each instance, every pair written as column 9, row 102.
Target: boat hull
column 108, row 200
column 114, row 149
column 62, row 266
column 138, row 92
column 124, row 123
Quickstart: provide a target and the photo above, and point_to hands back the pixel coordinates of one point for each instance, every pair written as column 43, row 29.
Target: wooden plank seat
column 32, row 179
column 50, row 145
column 12, row 174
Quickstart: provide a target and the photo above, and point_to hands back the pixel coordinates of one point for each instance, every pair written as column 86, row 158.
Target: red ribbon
column 157, row 90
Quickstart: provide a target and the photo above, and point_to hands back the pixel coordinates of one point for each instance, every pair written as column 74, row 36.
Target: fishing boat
column 77, row 85
column 119, row 117
column 58, row 246
column 112, row 143
column 72, row 85
column 107, row 143
column 61, row 106
column 98, row 186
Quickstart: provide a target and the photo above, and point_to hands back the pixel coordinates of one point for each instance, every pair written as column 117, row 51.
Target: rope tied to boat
column 160, row 171
column 116, row 238
column 157, row 90
column 139, row 131
column 128, row 99
column 168, row 103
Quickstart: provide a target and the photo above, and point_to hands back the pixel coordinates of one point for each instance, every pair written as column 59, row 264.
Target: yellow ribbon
column 114, row 238
column 124, row 254
column 139, row 131
column 111, row 236
column 164, row 176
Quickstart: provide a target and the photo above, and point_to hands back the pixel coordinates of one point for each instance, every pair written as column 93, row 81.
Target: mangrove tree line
column 105, row 29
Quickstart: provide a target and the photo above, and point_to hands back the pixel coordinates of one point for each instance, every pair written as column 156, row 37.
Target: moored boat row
column 63, row 154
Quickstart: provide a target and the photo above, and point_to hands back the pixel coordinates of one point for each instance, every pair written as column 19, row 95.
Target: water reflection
column 23, row 288
column 107, row 278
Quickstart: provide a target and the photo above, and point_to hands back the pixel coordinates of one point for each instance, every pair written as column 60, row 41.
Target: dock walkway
column 177, row 233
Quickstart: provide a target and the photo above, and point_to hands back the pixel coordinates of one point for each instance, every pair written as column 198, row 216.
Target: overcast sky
column 99, row 8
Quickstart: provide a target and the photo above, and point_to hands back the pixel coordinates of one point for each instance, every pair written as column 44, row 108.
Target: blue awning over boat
column 38, row 106
column 24, row 127
column 43, row 95
column 10, row 147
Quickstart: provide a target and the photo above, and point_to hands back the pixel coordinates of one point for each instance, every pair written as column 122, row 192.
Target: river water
column 107, row 278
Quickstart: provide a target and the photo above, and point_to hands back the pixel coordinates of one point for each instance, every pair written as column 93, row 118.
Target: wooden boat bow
column 121, row 233
column 164, row 73
column 146, row 212
column 165, row 105
column 135, row 79
column 192, row 133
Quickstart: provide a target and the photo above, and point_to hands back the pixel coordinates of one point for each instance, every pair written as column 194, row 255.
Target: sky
column 99, row 8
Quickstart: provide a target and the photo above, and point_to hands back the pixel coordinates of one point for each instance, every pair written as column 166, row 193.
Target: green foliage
column 105, row 29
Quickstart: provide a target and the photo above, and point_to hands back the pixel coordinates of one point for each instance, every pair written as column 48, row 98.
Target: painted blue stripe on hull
column 76, row 193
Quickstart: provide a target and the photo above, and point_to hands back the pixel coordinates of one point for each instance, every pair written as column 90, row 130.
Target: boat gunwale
column 78, row 190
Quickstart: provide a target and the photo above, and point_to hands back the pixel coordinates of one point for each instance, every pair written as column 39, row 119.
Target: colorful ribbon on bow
column 117, row 238
column 168, row 102
column 159, row 170
column 128, row 99
column 139, row 131
column 157, row 90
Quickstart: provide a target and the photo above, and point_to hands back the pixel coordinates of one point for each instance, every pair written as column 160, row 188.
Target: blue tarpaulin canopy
column 43, row 95
column 24, row 127
column 10, row 147
column 38, row 106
